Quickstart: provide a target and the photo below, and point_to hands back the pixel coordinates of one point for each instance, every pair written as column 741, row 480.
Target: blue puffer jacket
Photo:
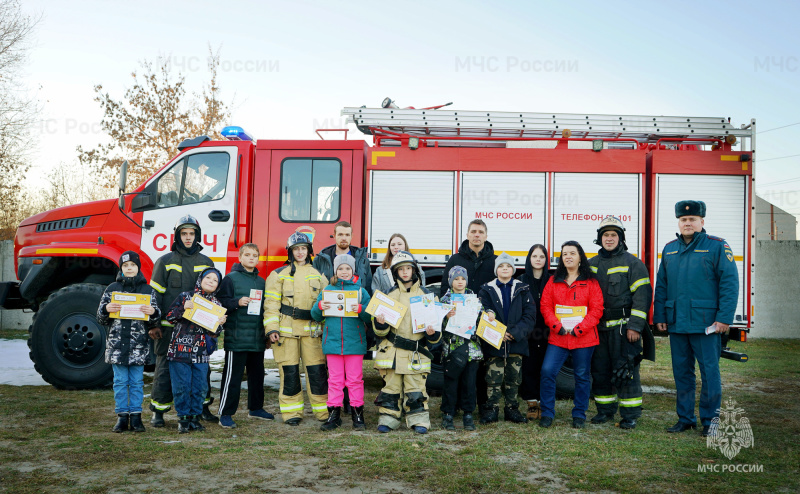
column 344, row 335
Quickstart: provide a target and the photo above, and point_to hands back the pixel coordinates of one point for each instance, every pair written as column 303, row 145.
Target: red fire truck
column 532, row 177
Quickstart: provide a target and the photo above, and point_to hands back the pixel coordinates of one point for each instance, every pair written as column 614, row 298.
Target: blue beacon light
column 235, row 133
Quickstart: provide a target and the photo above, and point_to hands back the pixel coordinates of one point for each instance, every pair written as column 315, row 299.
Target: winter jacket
column 295, row 293
column 190, row 343
column 389, row 355
column 697, row 284
column 582, row 292
column 453, row 341
column 480, row 267
column 324, row 264
column 521, row 317
column 383, row 280
column 127, row 342
column 344, row 335
column 540, row 332
column 243, row 332
column 176, row 272
column 626, row 289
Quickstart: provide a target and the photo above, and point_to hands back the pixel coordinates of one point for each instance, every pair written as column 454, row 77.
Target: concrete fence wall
column 777, row 289
column 11, row 319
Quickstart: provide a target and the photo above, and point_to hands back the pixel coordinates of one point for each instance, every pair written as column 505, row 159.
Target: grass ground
column 60, row 441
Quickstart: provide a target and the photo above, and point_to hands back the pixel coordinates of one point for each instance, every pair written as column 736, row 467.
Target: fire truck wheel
column 66, row 343
column 565, row 381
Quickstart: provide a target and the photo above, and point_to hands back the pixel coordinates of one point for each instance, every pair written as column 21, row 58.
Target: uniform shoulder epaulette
column 718, row 239
column 671, row 242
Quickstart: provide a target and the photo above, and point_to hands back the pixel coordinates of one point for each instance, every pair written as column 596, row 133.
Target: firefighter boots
column 122, row 423
column 158, row 417
column 208, row 416
column 136, row 422
column 602, row 418
column 334, row 419
column 627, row 424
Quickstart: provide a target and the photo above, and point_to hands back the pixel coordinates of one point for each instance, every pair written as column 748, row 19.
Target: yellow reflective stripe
column 616, row 322
column 384, row 364
column 160, row 406
column 165, row 323
column 605, row 399
column 291, row 407
column 638, row 283
column 618, row 269
column 197, row 269
column 313, row 277
column 594, row 269
column 421, row 366
column 174, row 267
column 271, row 319
column 275, row 295
column 287, row 330
column 639, row 313
column 285, row 277
column 630, row 402
column 157, row 287
column 319, row 408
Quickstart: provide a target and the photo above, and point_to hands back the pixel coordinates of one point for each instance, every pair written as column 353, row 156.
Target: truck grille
column 68, row 224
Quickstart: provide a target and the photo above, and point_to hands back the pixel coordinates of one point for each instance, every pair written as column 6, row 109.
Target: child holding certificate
column 127, row 347
column 189, row 350
column 344, row 342
column 460, row 358
column 509, row 301
column 403, row 358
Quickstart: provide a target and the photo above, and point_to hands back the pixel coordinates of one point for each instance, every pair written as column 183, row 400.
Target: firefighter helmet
column 187, row 221
column 402, row 258
column 609, row 223
column 298, row 238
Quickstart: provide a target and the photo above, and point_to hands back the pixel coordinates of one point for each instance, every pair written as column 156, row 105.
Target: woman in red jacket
column 572, row 286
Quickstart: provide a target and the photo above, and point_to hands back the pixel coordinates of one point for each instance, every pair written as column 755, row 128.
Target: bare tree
column 152, row 118
column 17, row 112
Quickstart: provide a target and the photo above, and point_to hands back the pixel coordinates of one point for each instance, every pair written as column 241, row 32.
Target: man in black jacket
column 476, row 255
column 342, row 236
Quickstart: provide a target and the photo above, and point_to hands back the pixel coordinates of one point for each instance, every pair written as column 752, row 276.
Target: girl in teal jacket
column 344, row 343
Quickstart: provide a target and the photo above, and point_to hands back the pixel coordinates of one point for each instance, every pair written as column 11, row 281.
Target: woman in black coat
column 536, row 275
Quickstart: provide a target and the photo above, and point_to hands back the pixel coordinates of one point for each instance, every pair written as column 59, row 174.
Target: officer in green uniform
column 697, row 288
column 627, row 293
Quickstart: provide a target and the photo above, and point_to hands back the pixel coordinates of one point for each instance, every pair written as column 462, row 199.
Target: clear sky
column 290, row 67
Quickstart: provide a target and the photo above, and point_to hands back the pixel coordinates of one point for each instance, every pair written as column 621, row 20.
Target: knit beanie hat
column 130, row 255
column 503, row 259
column 344, row 259
column 455, row 272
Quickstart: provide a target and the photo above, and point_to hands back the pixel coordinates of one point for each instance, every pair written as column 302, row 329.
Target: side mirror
column 142, row 201
column 123, row 180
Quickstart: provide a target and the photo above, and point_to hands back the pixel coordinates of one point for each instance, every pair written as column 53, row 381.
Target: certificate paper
column 570, row 316
column 467, row 307
column 492, row 332
column 341, row 301
column 254, row 307
column 392, row 310
column 205, row 313
column 424, row 312
column 131, row 303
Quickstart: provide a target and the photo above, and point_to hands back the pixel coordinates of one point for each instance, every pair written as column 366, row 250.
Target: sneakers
column 334, row 419
column 512, row 414
column 534, row 410
column 469, row 423
column 601, row 418
column 489, row 414
column 420, row 429
column 545, row 422
column 195, row 424
column 627, row 424
column 136, row 422
column 122, row 423
column 226, row 422
column 259, row 414
column 294, row 422
column 447, row 422
column 578, row 423
column 384, row 429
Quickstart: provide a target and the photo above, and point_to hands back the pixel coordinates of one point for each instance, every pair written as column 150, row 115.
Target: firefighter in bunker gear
column 623, row 328
column 290, row 292
column 403, row 358
column 174, row 273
